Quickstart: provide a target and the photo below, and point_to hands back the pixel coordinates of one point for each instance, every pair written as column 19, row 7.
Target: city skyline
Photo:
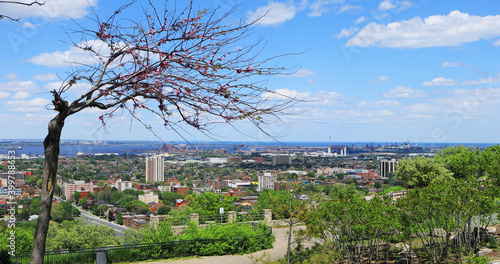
column 368, row 71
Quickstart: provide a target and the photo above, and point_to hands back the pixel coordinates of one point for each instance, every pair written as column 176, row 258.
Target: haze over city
column 423, row 71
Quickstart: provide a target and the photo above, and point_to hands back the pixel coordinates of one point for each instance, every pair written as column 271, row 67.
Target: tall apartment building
column 386, row 167
column 267, row 181
column 81, row 186
column 279, row 160
column 155, row 169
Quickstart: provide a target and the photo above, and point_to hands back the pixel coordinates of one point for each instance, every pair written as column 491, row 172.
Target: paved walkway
column 277, row 252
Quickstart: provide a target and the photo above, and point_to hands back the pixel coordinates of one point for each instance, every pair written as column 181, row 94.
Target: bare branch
column 186, row 65
column 19, row 3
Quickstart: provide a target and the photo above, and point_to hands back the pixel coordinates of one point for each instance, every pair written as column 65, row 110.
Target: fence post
column 101, row 256
column 154, row 221
column 231, row 217
column 195, row 218
column 268, row 216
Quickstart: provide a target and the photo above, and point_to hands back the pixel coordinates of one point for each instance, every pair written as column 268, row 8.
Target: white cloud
column 4, row 95
column 327, row 98
column 360, row 20
column 404, row 92
column 53, row 86
column 399, row 5
column 451, row 64
column 28, row 25
column 345, row 33
column 45, row 77
column 440, row 81
column 300, row 73
column 77, row 89
column 319, row 7
column 279, row 94
column 34, row 105
column 21, row 95
column 380, row 79
column 496, row 43
column 346, row 8
column 11, row 76
column 274, row 14
column 386, row 5
column 382, row 103
column 72, row 55
column 51, row 9
column 18, row 86
column 433, row 31
column 311, row 99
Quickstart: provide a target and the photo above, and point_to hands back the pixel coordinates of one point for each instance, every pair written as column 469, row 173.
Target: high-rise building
column 155, row 169
column 267, row 181
column 80, row 186
column 282, row 160
column 386, row 167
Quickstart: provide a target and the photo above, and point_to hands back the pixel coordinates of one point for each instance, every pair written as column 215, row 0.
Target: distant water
column 134, row 149
column 72, row 151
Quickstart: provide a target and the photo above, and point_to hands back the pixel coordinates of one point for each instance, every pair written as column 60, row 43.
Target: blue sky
column 423, row 71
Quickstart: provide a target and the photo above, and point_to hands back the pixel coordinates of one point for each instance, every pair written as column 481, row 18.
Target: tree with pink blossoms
column 184, row 65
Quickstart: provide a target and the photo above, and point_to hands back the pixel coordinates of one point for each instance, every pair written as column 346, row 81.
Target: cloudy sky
column 423, row 71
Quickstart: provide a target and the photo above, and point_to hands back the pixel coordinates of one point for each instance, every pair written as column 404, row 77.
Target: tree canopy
column 420, row 172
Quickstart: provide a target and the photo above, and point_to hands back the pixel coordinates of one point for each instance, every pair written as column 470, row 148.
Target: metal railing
column 136, row 252
column 176, row 221
column 249, row 217
column 213, row 219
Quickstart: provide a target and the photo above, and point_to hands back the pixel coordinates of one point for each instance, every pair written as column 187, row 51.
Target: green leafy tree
column 489, row 160
column 343, row 191
column 420, row 171
column 76, row 197
column 462, row 161
column 164, row 210
column 76, row 234
column 452, row 206
column 23, row 215
column 62, row 211
column 119, row 218
column 209, row 203
column 34, row 206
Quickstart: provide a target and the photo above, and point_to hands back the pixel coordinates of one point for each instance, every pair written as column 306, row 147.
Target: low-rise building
column 149, row 197
column 135, row 221
column 123, row 185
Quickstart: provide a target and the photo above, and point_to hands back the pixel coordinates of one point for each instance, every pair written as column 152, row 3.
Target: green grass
column 393, row 189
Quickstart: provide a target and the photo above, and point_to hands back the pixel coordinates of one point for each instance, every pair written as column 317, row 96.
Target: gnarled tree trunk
column 51, row 146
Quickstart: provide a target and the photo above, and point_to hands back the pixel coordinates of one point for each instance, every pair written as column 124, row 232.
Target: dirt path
column 277, row 252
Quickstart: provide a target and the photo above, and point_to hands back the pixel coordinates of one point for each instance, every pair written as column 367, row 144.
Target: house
column 180, row 189
column 179, row 202
column 134, row 221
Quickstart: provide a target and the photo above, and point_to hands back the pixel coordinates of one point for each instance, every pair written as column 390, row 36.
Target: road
column 92, row 219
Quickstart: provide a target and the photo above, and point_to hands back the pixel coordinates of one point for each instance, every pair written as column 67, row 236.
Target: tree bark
column 51, row 147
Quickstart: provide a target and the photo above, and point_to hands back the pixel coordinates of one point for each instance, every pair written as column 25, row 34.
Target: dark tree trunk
column 51, row 146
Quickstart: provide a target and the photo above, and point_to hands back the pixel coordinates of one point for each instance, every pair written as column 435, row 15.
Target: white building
column 149, row 197
column 155, row 169
column 267, row 181
column 165, row 188
column 123, row 185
